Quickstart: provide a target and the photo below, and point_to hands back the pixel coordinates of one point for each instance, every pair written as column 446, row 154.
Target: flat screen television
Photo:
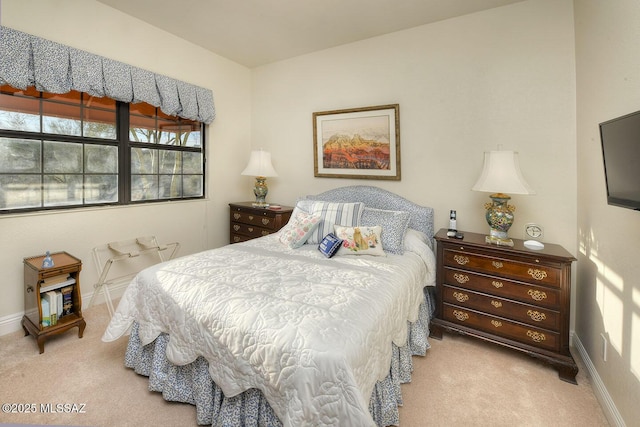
column 620, row 139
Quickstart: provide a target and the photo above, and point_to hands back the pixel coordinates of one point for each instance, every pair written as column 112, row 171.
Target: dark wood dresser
column 248, row 222
column 511, row 296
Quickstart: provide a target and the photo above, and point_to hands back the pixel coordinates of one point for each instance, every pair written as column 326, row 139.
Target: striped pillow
column 331, row 214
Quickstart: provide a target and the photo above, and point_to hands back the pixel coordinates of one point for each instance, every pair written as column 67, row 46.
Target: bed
column 272, row 332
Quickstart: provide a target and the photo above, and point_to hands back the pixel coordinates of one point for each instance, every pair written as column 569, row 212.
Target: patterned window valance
column 27, row 60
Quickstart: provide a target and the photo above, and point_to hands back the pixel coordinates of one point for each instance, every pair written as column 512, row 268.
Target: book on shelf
column 55, row 279
column 59, row 303
column 52, row 287
column 52, row 302
column 67, row 300
column 46, row 317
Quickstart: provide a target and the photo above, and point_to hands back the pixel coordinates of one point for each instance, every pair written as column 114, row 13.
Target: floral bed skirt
column 192, row 383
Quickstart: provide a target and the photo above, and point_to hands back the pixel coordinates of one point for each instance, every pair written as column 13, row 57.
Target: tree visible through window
column 77, row 150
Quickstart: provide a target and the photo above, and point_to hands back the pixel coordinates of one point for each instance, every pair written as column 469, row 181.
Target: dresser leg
column 568, row 373
column 435, row 331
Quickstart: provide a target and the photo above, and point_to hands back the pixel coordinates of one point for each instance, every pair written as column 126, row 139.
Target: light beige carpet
column 460, row 382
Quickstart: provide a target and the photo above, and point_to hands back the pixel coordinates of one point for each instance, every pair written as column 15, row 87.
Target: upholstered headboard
column 375, row 197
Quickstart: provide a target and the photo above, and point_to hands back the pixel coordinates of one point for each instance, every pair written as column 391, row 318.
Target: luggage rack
column 128, row 258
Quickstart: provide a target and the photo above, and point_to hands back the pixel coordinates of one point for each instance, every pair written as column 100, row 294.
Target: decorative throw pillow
column 298, row 229
column 394, row 225
column 329, row 245
column 331, row 214
column 302, row 206
column 360, row 240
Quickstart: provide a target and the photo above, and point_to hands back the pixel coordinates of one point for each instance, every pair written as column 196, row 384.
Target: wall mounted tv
column 620, row 139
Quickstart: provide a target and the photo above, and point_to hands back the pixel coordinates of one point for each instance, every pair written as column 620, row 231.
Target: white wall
column 608, row 299
column 465, row 85
column 504, row 76
column 197, row 225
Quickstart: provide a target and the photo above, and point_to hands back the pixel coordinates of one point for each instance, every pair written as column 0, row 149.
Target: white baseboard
column 11, row 323
column 599, row 389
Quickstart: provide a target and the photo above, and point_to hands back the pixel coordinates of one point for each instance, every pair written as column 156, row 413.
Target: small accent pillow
column 360, row 241
column 298, row 229
column 394, row 226
column 332, row 214
column 329, row 245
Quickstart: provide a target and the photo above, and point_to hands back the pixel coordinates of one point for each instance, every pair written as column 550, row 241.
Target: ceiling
column 258, row 32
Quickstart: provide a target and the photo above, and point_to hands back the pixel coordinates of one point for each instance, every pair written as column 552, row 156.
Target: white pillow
column 332, row 214
column 360, row 240
column 417, row 235
column 302, row 206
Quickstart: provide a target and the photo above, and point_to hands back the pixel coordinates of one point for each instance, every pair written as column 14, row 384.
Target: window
column 76, row 150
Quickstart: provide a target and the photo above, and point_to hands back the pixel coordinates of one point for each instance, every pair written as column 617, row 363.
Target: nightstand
column 512, row 296
column 248, row 222
column 62, row 282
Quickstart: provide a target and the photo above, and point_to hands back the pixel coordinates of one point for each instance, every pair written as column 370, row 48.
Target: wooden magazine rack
column 118, row 262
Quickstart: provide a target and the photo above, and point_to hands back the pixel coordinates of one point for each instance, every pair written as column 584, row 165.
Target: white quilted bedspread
column 313, row 334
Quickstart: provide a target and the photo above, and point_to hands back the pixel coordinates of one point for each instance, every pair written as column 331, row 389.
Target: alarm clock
column 533, row 231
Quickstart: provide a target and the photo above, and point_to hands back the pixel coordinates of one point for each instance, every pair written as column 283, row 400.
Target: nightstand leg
column 26, row 331
column 81, row 327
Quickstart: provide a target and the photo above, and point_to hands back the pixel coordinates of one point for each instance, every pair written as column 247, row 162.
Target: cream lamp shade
column 501, row 174
column 260, row 166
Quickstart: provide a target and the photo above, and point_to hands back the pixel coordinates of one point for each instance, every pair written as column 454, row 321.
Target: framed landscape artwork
column 357, row 143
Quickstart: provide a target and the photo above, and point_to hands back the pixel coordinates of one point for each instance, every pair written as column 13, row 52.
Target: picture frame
column 362, row 143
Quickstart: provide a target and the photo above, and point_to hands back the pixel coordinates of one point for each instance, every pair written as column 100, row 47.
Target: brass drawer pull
column 537, row 274
column 536, row 315
column 497, row 284
column 460, row 315
column 236, row 227
column 536, row 336
column 265, row 232
column 250, row 229
column 236, row 239
column 496, row 323
column 461, row 278
column 236, row 216
column 266, row 221
column 250, row 217
column 497, row 264
column 496, row 304
column 462, row 260
column 460, row 297
column 537, row 295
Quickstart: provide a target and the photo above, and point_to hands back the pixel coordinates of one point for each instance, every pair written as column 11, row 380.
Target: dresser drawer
column 543, row 273
column 525, row 334
column 250, row 218
column 237, row 238
column 530, row 314
column 249, row 230
column 524, row 292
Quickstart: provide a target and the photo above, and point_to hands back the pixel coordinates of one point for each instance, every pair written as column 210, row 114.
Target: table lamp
column 501, row 174
column 260, row 166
